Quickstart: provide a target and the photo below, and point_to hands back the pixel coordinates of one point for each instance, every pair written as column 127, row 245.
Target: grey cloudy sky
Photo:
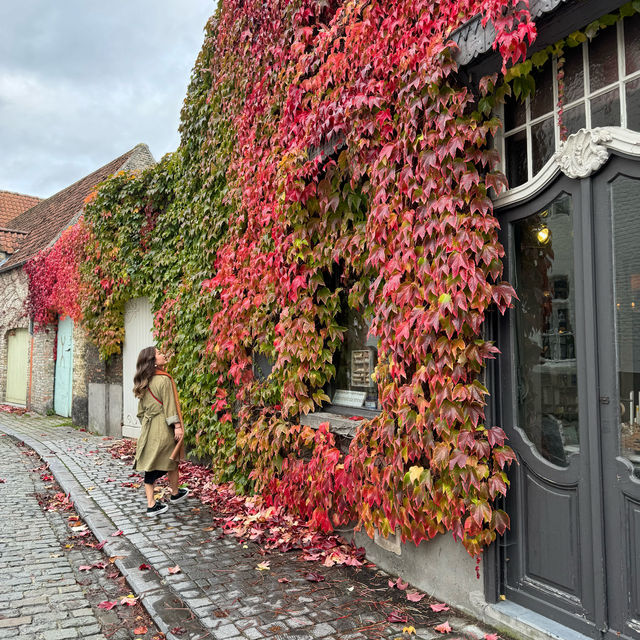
column 81, row 82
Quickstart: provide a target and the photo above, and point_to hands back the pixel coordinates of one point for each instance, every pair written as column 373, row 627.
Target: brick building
column 33, row 373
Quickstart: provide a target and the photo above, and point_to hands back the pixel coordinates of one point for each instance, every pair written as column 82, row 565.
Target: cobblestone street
column 44, row 593
column 217, row 591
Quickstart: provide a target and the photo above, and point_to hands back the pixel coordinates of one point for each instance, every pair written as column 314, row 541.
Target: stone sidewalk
column 53, row 573
column 218, row 593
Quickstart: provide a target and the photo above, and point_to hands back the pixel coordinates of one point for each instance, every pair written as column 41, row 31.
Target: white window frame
column 588, row 95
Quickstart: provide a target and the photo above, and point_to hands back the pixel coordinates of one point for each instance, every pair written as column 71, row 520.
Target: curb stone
column 149, row 587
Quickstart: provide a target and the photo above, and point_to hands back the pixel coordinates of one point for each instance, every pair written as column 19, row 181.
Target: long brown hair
column 145, row 370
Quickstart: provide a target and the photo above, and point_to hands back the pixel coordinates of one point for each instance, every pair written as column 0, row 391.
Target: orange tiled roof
column 13, row 204
column 42, row 224
column 10, row 240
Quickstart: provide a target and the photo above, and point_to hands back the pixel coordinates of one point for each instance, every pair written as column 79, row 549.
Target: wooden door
column 17, row 366
column 138, row 334
column 63, row 396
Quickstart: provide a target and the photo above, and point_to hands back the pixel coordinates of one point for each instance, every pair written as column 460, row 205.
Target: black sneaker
column 180, row 496
column 157, row 509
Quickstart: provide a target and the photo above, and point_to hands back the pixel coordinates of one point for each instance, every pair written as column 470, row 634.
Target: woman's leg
column 173, row 481
column 148, row 489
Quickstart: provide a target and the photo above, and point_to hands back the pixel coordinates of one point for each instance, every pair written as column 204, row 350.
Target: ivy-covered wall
column 330, row 157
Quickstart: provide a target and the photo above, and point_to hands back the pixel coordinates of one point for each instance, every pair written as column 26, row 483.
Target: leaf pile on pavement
column 7, row 408
column 249, row 518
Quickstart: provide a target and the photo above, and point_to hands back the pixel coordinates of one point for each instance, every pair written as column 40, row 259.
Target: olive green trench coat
column 158, row 413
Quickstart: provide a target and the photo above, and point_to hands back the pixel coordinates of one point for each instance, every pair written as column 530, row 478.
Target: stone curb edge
column 102, row 527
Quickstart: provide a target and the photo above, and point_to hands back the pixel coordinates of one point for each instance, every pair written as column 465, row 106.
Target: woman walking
column 159, row 446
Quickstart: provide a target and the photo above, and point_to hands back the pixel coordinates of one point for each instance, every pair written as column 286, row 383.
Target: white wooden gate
column 17, row 366
column 138, row 328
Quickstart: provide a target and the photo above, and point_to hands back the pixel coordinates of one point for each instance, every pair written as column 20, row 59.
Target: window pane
column 573, row 74
column 603, row 59
column 542, row 143
column 632, row 43
column 515, row 147
column 515, row 113
column 356, row 362
column 625, row 195
column 605, row 109
column 542, row 98
column 633, row 105
column 574, row 119
column 547, row 394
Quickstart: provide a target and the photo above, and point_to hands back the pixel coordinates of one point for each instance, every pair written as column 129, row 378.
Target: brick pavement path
column 218, row 593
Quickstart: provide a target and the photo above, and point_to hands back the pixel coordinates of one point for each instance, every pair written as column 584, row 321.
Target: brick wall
column 40, row 396
column 13, row 291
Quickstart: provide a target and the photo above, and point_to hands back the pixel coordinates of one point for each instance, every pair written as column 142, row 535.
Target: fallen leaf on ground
column 140, row 631
column 397, row 583
column 84, row 567
column 490, row 636
column 263, row 566
column 107, row 604
column 439, row 606
column 284, row 580
column 409, row 630
column 445, row 627
column 119, row 532
column 129, row 600
column 397, row 616
column 414, row 596
column 144, row 567
column 175, row 569
column 314, row 577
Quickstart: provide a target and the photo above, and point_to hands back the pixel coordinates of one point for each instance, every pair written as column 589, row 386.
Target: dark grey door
column 570, row 388
column 617, row 208
column 549, row 410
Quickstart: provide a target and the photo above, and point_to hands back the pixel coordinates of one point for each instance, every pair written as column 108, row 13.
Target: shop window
column 601, row 88
column 355, row 362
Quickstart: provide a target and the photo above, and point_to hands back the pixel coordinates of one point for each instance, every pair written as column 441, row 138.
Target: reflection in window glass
column 574, row 119
column 542, row 99
column 544, row 322
column 625, row 196
column 605, row 110
column 603, row 59
column 632, row 43
column 356, row 361
column 543, row 143
column 515, row 113
column 516, row 152
column 633, row 105
column 573, row 74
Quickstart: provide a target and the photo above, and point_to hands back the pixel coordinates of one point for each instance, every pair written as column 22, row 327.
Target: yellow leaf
column 409, row 630
column 415, row 473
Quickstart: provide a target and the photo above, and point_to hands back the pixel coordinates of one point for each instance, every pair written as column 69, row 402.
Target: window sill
column 338, row 419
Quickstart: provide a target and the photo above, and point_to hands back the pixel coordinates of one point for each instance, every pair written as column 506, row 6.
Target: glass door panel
column 545, row 320
column 625, row 205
